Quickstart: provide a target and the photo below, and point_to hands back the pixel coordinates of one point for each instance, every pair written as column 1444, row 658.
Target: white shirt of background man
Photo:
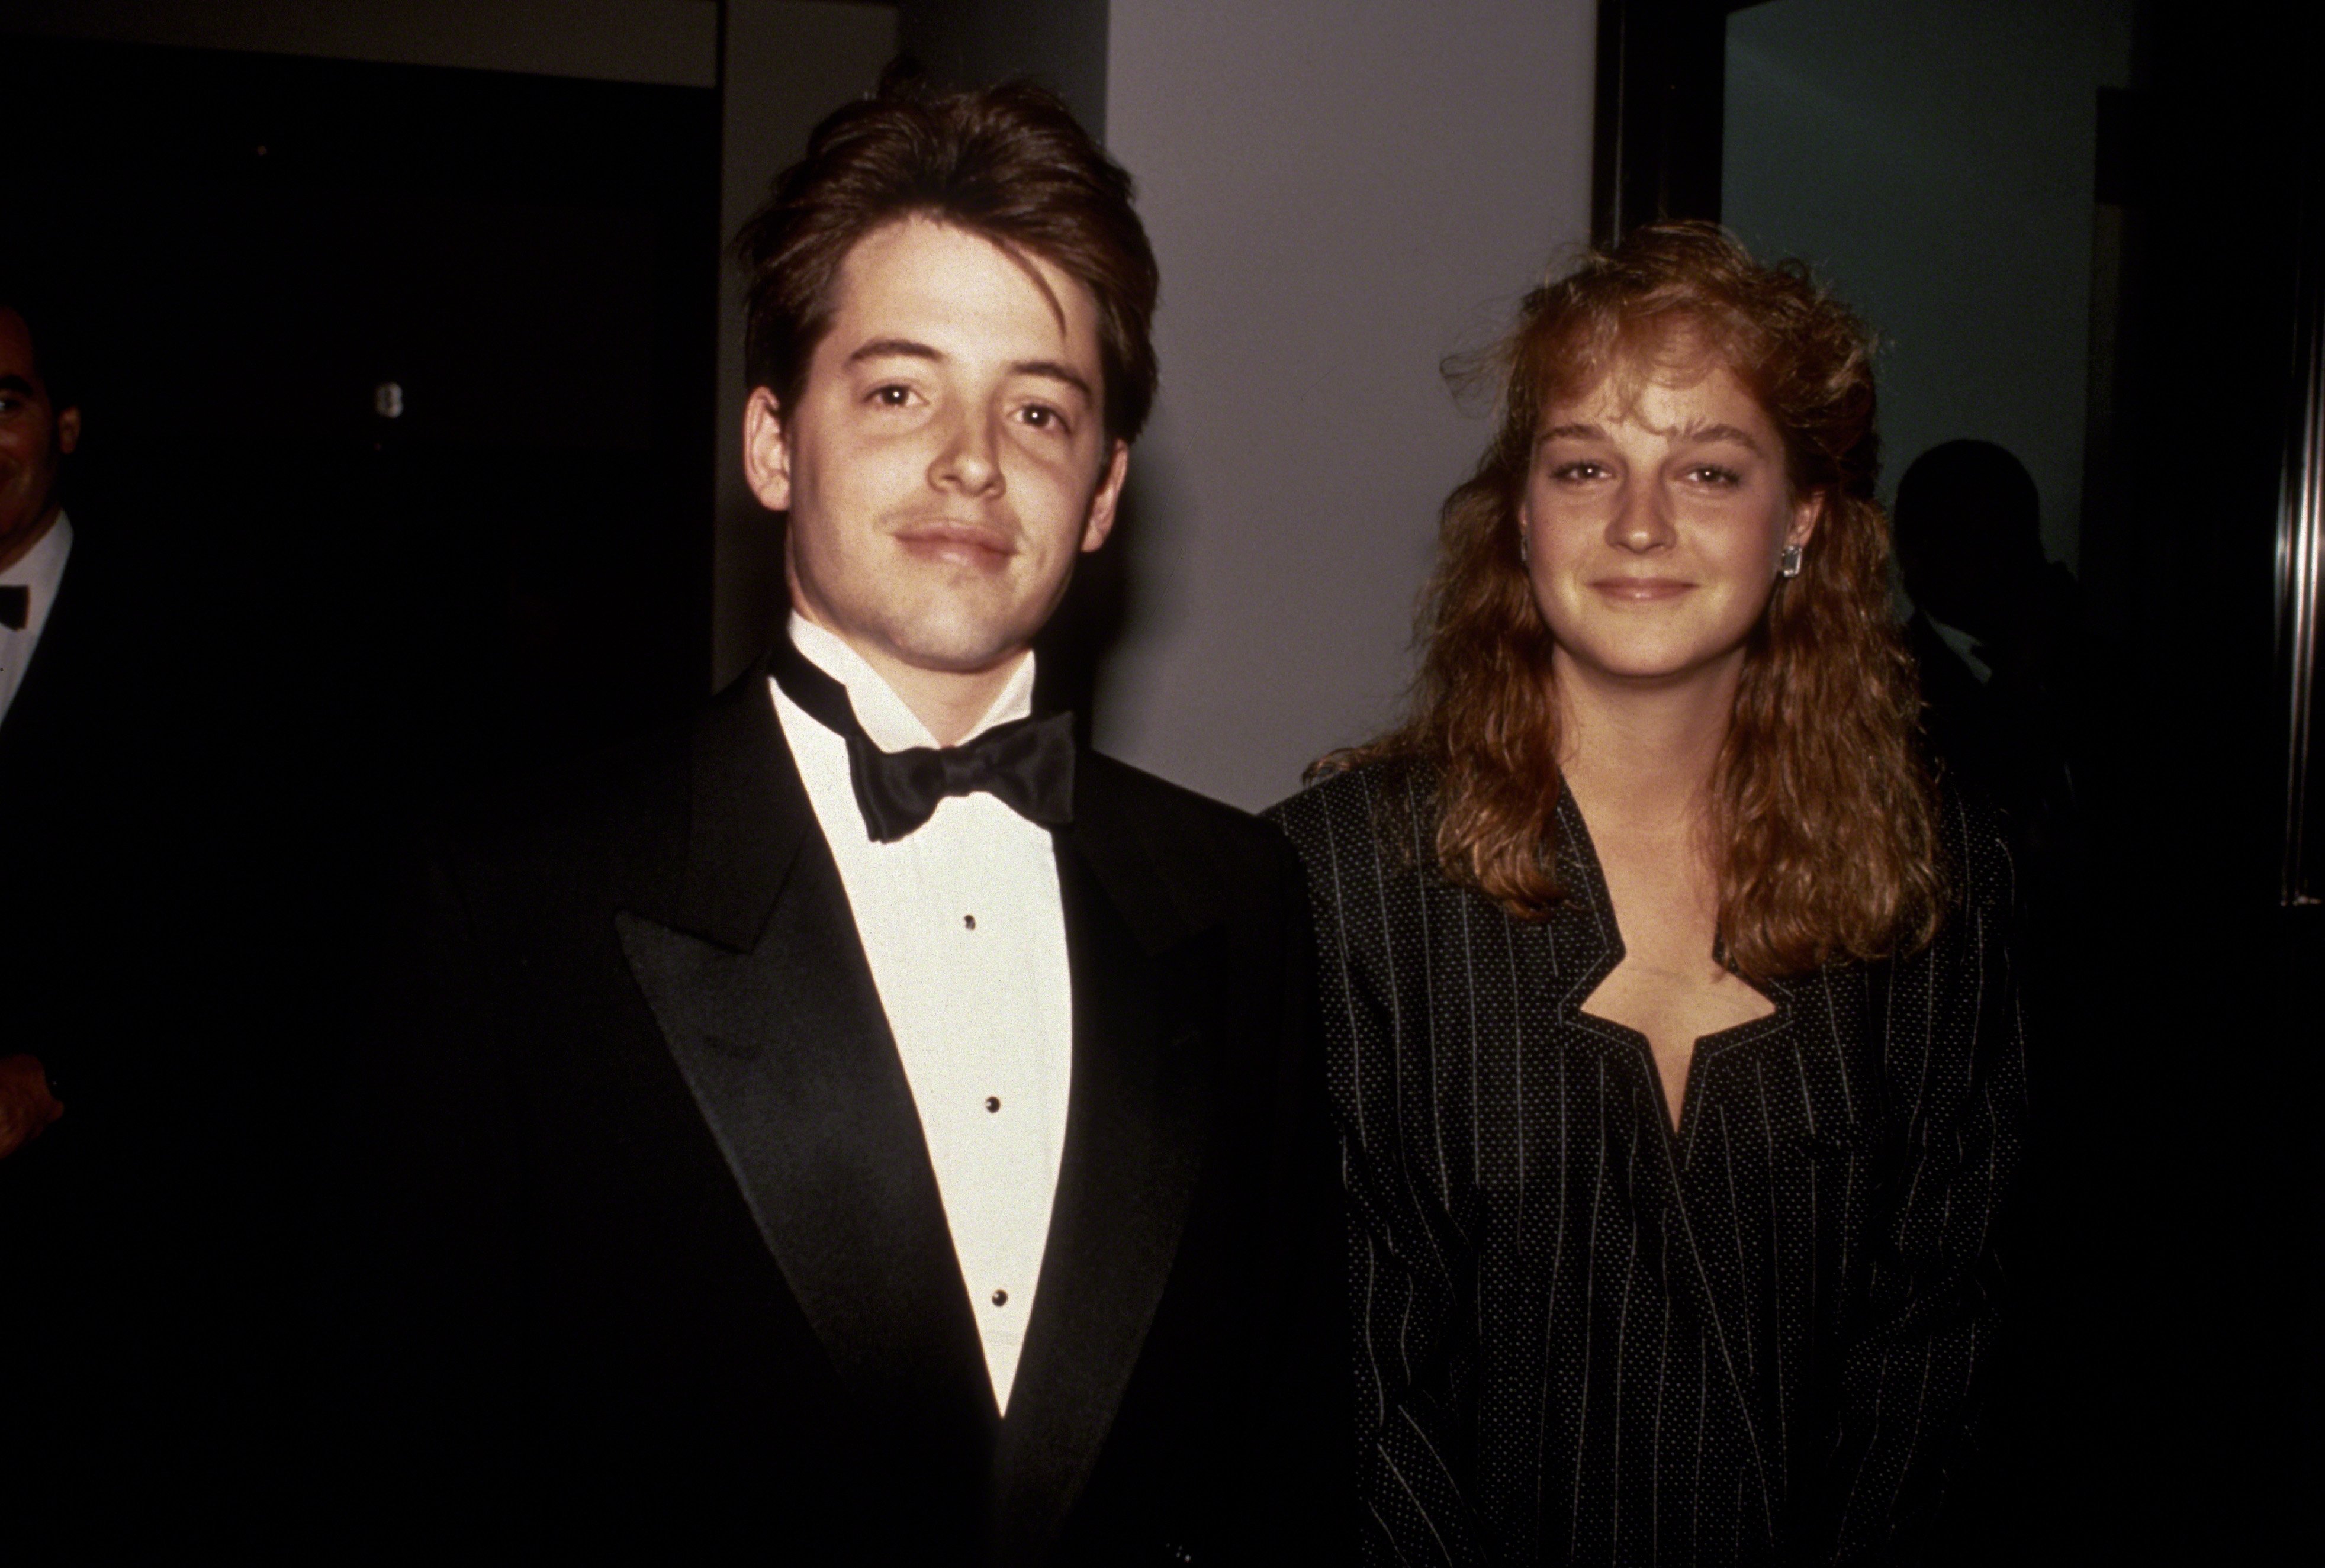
column 965, row 930
column 42, row 570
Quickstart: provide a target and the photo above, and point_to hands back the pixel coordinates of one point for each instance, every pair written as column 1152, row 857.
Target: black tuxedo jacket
column 653, row 1248
column 79, row 835
column 113, row 1221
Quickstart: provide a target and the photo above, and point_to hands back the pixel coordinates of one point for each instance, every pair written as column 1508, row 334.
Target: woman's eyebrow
column 1701, row 435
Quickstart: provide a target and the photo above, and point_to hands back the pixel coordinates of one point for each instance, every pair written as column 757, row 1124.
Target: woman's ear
column 1807, row 512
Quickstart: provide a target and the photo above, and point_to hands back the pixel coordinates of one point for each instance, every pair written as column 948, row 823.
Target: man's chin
column 961, row 656
column 946, row 645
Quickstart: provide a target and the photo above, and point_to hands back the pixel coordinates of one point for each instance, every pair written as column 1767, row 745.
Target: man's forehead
column 920, row 269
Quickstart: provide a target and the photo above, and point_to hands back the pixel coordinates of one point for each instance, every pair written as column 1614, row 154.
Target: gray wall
column 1934, row 158
column 1341, row 192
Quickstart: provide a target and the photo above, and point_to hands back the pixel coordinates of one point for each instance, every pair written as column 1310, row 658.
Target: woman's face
column 1655, row 524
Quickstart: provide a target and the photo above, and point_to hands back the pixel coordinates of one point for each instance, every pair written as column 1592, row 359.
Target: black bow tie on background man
column 1026, row 764
column 16, row 605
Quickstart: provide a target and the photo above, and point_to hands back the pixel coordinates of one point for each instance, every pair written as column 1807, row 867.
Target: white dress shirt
column 962, row 923
column 42, row 570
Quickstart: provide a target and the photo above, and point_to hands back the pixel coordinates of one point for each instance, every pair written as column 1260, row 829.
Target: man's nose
column 968, row 461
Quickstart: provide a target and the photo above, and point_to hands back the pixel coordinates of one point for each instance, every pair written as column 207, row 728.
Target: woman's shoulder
column 1353, row 805
column 1974, row 850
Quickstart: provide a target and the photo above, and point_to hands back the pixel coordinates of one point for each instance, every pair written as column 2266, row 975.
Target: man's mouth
column 958, row 543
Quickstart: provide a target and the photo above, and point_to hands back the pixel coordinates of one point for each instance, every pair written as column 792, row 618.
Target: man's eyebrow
column 18, row 384
column 905, row 348
column 1051, row 369
column 893, row 348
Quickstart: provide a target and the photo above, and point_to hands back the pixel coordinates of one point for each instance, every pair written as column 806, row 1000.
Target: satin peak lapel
column 782, row 1039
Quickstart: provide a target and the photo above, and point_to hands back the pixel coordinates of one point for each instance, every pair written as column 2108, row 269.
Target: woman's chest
column 1505, row 1073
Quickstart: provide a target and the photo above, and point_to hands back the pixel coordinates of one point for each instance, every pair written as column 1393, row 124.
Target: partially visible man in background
column 40, row 425
column 142, row 1137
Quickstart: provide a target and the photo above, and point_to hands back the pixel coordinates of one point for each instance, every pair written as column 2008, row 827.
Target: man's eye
column 1713, row 474
column 1043, row 417
column 891, row 397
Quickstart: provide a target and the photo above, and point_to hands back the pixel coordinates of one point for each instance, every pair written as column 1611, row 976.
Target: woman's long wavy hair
column 1822, row 819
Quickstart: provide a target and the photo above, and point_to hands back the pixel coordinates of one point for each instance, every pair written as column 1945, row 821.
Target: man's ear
column 766, row 451
column 1109, row 494
column 68, row 431
column 1807, row 512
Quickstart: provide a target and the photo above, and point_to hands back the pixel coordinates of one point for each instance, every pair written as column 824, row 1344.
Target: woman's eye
column 1580, row 469
column 1712, row 473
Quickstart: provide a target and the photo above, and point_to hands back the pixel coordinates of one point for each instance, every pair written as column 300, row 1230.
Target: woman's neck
column 1639, row 756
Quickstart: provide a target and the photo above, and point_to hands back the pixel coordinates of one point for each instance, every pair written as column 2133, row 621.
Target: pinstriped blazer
column 1585, row 1338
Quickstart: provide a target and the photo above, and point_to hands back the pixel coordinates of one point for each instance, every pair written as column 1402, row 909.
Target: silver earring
column 1788, row 561
column 1524, row 558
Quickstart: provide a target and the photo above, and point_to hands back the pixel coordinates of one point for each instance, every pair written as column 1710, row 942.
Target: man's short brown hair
column 1008, row 163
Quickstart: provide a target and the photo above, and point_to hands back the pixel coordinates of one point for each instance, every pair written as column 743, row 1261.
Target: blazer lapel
column 1135, row 1137
column 759, row 987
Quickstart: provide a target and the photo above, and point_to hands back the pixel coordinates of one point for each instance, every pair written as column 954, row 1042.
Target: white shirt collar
column 887, row 719
column 43, row 566
column 1962, row 643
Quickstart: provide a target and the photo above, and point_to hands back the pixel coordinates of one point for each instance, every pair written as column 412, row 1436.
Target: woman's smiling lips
column 1641, row 590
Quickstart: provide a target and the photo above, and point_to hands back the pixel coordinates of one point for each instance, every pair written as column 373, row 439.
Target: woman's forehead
column 1653, row 391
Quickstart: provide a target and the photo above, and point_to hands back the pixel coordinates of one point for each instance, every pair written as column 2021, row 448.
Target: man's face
column 947, row 456
column 34, row 436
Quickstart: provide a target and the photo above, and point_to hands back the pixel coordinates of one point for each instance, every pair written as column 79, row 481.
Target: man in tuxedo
column 39, row 428
column 860, row 1121
column 108, row 1222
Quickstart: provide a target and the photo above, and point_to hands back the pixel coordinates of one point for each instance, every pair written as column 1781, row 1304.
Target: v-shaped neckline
column 1577, row 847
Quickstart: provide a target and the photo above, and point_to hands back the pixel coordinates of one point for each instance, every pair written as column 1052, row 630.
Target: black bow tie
column 1026, row 764
column 16, row 605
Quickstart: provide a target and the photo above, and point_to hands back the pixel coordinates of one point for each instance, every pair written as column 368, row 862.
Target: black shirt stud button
column 1001, row 1298
column 993, row 1102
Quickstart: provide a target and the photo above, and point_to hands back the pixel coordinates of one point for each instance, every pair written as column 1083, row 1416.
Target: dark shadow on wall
column 1108, row 603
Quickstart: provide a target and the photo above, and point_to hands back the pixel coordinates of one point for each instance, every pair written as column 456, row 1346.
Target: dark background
column 257, row 244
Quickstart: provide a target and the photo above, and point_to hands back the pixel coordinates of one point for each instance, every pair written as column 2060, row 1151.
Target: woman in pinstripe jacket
column 1672, row 1023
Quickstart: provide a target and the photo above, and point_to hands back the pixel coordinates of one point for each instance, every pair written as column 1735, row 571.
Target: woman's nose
column 1641, row 519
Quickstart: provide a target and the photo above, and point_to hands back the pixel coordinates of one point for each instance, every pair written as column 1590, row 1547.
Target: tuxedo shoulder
column 630, row 790
column 1200, row 839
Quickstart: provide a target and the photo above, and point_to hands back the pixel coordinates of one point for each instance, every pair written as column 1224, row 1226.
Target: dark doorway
column 403, row 374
